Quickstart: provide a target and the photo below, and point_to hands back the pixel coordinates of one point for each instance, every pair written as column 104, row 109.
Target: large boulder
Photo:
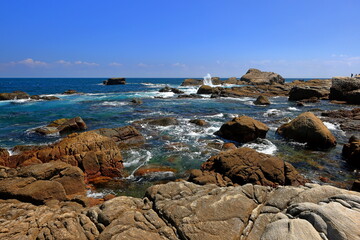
column 307, row 128
column 63, row 125
column 301, row 93
column 255, row 76
column 95, row 154
column 351, row 151
column 262, row 100
column 243, row 129
column 192, row 82
column 115, row 81
column 125, row 137
column 14, row 95
column 345, row 89
column 245, row 165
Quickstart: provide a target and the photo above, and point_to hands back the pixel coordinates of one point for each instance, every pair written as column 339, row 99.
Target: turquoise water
column 181, row 147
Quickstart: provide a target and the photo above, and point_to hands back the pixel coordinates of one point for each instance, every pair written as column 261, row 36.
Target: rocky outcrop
column 199, row 122
column 349, row 120
column 255, row 76
column 115, row 81
column 124, row 137
column 95, row 154
column 165, row 121
column 351, row 152
column 47, row 98
column 70, row 92
column 245, row 165
column 345, row 89
column 301, row 93
column 42, row 182
column 14, row 95
column 63, row 125
column 192, row 82
column 169, row 89
column 262, row 100
column 205, row 89
column 243, row 129
column 307, row 128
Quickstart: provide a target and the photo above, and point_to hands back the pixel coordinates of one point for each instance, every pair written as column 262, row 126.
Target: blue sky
column 168, row 38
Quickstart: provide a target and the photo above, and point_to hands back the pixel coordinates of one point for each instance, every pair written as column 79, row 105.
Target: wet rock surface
column 64, row 125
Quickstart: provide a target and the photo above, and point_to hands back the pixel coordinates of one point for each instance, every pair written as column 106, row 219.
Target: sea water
column 181, row 147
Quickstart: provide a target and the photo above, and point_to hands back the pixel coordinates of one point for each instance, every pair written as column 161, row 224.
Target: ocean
column 180, row 147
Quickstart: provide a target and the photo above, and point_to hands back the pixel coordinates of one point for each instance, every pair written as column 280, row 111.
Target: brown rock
column 205, row 89
column 14, row 95
column 150, row 169
column 192, row 82
column 62, row 126
column 165, row 121
column 351, row 151
column 243, row 129
column 199, row 122
column 228, row 146
column 4, row 157
column 299, row 93
column 70, row 91
column 307, row 128
column 262, row 100
column 255, row 76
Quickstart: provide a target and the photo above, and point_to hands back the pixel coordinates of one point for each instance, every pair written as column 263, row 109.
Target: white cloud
column 86, row 63
column 63, row 62
column 115, row 64
column 29, row 62
column 179, row 65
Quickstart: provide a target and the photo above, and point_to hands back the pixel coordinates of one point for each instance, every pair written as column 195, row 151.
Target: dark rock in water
column 48, row 98
column 342, row 113
column 262, row 100
column 310, row 100
column 243, row 129
column 42, row 182
column 166, row 121
column 199, row 122
column 63, row 125
column 301, row 93
column 137, row 101
column 70, row 91
column 345, row 89
column 14, row 95
column 169, row 89
column 205, row 89
column 192, row 82
column 356, row 186
column 245, row 165
column 255, row 76
column 125, row 137
column 115, row 81
column 189, row 96
column 307, row 128
column 351, row 152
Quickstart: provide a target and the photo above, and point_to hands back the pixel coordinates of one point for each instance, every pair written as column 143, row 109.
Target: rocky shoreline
column 238, row 193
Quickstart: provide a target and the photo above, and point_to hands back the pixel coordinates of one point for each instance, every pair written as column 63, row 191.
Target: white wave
column 137, row 157
column 159, row 175
column 114, row 103
column 165, row 94
column 334, row 127
column 274, row 112
column 92, row 194
column 262, row 146
column 293, row 109
column 219, row 115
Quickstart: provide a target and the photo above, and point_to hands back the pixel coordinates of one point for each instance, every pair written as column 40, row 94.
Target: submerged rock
column 47, row 98
column 243, row 129
column 136, row 101
column 255, row 76
column 14, row 95
column 115, row 81
column 165, row 121
column 199, row 122
column 262, row 100
column 63, row 125
column 307, row 128
column 245, row 165
column 169, row 89
column 70, row 91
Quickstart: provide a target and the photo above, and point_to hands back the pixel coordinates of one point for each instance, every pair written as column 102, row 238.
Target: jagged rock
column 14, row 95
column 255, row 76
column 243, row 129
column 199, row 122
column 351, row 151
column 93, row 153
column 245, row 165
column 130, row 218
column 262, row 100
column 205, row 89
column 125, row 137
column 345, row 89
column 165, row 121
column 70, row 91
column 192, row 82
column 63, row 125
column 307, row 128
column 300, row 93
column 115, row 81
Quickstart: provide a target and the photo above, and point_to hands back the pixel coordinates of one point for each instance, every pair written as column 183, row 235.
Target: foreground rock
column 351, row 151
column 124, row 137
column 14, row 95
column 115, row 81
column 245, row 165
column 255, row 76
column 345, row 89
column 301, row 93
column 63, row 125
column 243, row 129
column 95, row 154
column 262, row 100
column 42, row 182
column 307, row 128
